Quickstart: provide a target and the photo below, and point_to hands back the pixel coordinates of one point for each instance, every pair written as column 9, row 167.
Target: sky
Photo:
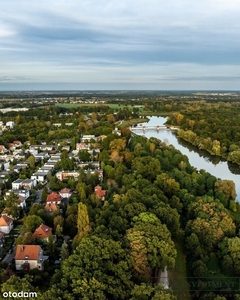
column 120, row 44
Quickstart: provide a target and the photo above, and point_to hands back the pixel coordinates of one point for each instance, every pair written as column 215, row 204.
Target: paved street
column 38, row 196
column 9, row 257
column 164, row 278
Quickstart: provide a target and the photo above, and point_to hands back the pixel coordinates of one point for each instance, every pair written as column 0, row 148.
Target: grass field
column 113, row 106
column 178, row 277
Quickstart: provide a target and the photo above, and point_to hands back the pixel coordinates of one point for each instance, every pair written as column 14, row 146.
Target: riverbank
column 213, row 147
column 200, row 159
column 132, row 122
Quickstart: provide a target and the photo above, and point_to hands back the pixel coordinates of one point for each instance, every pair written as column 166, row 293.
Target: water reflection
column 202, row 153
column 199, row 159
column 235, row 169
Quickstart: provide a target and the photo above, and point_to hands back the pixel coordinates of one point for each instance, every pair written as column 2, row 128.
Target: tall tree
column 12, row 205
column 83, row 224
column 64, row 251
column 99, row 269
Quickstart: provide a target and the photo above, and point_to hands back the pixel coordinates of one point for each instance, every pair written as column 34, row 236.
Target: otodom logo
column 19, row 294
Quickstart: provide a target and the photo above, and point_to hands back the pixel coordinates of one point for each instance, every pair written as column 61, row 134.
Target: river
column 200, row 159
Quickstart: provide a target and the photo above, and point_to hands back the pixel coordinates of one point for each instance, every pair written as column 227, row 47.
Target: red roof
column 29, row 252
column 65, row 191
column 99, row 192
column 5, row 221
column 43, row 231
column 50, row 207
column 53, row 197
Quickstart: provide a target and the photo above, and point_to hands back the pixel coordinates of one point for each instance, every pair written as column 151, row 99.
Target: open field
column 178, row 276
column 113, row 106
column 129, row 123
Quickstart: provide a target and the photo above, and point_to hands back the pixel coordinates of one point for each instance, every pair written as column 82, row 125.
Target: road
column 163, row 278
column 9, row 257
column 38, row 196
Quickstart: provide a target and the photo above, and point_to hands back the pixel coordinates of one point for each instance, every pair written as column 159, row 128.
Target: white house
column 88, row 138
column 29, row 257
column 6, row 224
column 28, row 184
column 65, row 193
column 39, row 176
column 17, row 184
column 10, row 124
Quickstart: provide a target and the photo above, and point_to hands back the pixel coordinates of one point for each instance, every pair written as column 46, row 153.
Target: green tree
column 227, row 187
column 58, row 220
column 55, row 184
column 84, row 155
column 44, row 194
column 64, row 251
column 156, row 238
column 30, row 223
column 17, row 284
column 12, row 205
column 99, row 269
column 26, row 239
column 148, row 167
column 31, row 161
column 231, row 255
column 83, row 223
column 51, row 246
column 147, row 292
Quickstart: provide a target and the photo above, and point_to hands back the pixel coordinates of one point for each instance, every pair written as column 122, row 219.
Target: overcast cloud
column 109, row 44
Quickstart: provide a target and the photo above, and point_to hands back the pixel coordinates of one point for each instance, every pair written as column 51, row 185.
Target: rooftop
column 29, row 252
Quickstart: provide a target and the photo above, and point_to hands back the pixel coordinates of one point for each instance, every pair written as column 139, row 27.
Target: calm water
column 198, row 158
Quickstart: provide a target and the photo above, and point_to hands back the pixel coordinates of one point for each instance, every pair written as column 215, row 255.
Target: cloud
column 13, row 78
column 65, row 39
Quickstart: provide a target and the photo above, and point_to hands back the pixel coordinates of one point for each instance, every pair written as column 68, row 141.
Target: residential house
column 51, row 207
column 10, row 124
column 82, row 146
column 17, row 168
column 99, row 192
column 46, row 169
column 117, row 131
column 17, row 184
column 3, row 150
column 11, row 146
column 42, row 232
column 17, row 154
column 41, row 155
column 87, row 138
column 6, row 213
column 29, row 257
column 28, row 184
column 65, row 193
column 6, row 224
column 17, row 144
column 67, row 148
column 54, row 198
column 39, row 176
column 4, row 165
column 66, row 174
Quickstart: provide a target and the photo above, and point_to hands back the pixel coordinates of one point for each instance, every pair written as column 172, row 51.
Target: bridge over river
column 158, row 127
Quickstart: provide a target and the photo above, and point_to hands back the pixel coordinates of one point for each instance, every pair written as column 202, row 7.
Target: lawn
column 111, row 105
column 129, row 123
column 178, row 277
